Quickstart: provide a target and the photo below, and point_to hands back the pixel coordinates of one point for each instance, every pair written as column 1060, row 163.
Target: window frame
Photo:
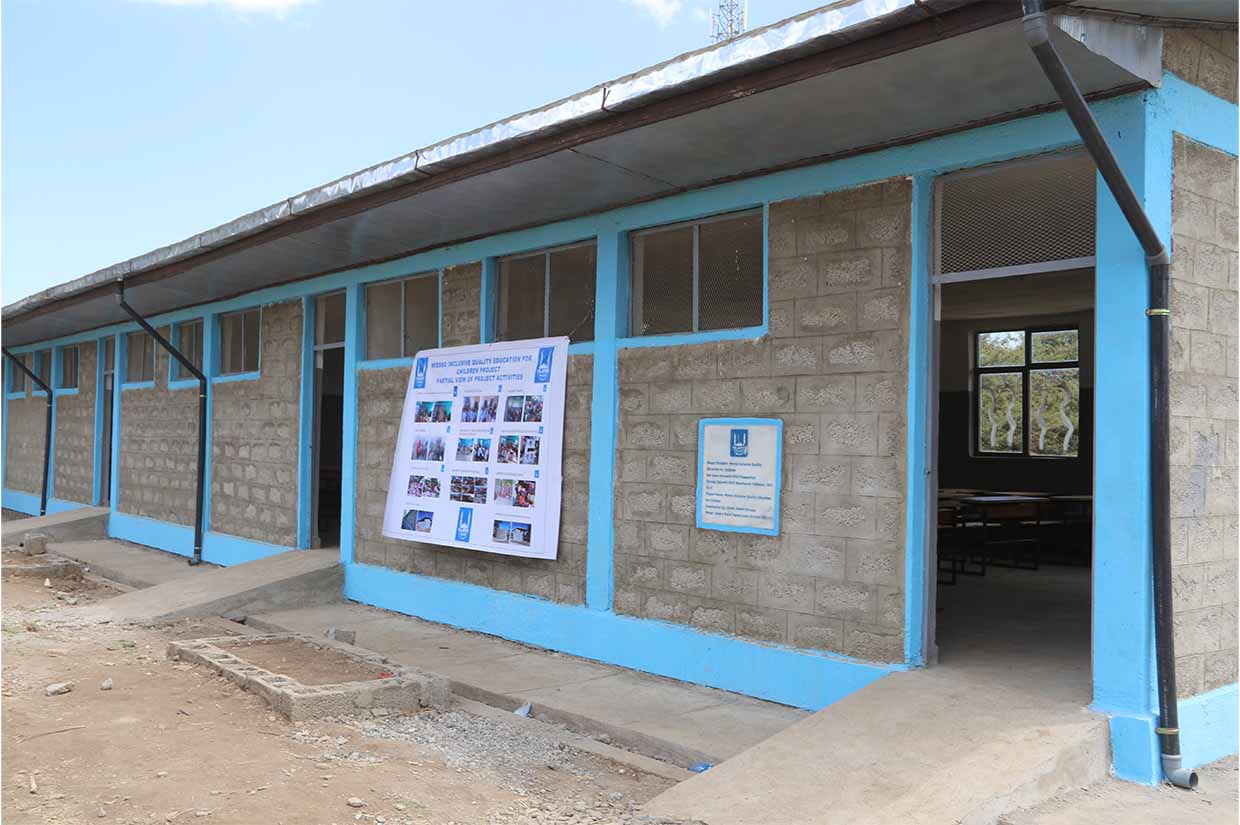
column 134, row 383
column 635, row 291
column 18, row 376
column 59, row 385
column 546, row 253
column 220, row 373
column 176, row 379
column 42, row 364
column 1026, row 369
column 437, row 274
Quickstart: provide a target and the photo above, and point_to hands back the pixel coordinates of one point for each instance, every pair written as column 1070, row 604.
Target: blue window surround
column 1141, row 126
column 174, row 337
column 57, row 368
column 217, row 374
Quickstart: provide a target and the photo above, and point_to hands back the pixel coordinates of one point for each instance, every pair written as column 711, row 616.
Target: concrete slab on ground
column 130, row 564
column 296, row 577
column 673, row 721
column 71, row 525
column 914, row 748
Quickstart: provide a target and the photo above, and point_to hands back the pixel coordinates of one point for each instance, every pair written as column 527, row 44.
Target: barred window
column 139, row 357
column 189, row 342
column 68, row 368
column 548, row 293
column 699, row 276
column 402, row 317
column 240, row 341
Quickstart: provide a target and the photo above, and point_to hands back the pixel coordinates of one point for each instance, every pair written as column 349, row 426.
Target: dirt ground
column 306, row 663
column 173, row 743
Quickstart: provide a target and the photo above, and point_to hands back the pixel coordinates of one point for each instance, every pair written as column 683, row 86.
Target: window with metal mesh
column 1025, row 214
column 402, row 317
column 18, row 381
column 189, row 342
column 239, row 342
column 547, row 293
column 706, row 275
column 68, row 368
column 139, row 357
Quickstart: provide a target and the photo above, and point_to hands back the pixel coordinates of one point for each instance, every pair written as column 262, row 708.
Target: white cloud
column 245, row 8
column 661, row 10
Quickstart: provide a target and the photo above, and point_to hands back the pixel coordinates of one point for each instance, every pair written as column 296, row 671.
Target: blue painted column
column 97, row 458
column 118, row 378
column 610, row 317
column 486, row 301
column 348, row 471
column 1123, row 644
column 305, row 426
column 920, row 348
column 210, row 354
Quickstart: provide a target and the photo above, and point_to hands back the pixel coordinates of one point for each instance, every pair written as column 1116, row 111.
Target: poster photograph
column 477, row 459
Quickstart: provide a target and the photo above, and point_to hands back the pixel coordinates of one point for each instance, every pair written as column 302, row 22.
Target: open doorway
column 1013, row 441
column 328, row 429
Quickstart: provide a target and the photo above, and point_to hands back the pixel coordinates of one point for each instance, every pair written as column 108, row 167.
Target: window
column 402, row 317
column 548, row 293
column 1027, row 386
column 68, row 368
column 189, row 342
column 42, row 363
column 139, row 357
column 239, row 342
column 18, row 382
column 699, row 276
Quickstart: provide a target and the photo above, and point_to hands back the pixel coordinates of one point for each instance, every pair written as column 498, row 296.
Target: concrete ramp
column 296, row 578
column 933, row 747
column 81, row 524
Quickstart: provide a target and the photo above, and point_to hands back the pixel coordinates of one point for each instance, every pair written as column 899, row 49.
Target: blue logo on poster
column 419, row 373
column 740, row 443
column 542, row 373
column 464, row 520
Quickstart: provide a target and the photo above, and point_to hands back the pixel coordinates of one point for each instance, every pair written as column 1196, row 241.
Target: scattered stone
column 400, row 806
column 101, row 813
column 160, row 774
column 341, row 635
column 34, row 786
column 380, row 712
column 59, row 688
column 354, row 802
column 106, row 684
column 47, row 582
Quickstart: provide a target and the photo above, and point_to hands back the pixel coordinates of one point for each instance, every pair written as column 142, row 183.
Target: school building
column 880, row 222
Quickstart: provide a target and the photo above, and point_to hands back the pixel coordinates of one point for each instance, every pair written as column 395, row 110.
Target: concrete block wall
column 1204, row 57
column 75, row 434
column 158, row 448
column 1204, row 415
column 834, row 368
column 381, row 395
column 254, row 438
column 25, row 430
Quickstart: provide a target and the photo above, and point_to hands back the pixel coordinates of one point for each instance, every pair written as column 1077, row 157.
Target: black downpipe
column 47, row 431
column 1158, row 263
column 202, row 413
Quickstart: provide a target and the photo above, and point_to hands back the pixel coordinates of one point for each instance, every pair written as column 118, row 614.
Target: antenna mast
column 728, row 20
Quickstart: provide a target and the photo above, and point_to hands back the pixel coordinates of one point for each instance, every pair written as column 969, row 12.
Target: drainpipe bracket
column 1153, row 312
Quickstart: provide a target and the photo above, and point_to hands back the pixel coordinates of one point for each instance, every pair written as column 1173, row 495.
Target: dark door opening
column 328, row 444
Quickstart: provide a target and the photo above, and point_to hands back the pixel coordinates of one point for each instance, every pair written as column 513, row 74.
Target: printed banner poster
column 477, row 462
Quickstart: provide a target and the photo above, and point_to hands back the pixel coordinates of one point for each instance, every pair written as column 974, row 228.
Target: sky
column 130, row 124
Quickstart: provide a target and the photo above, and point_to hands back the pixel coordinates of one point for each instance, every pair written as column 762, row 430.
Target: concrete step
column 916, row 748
column 675, row 722
column 82, row 524
column 296, row 577
column 129, row 564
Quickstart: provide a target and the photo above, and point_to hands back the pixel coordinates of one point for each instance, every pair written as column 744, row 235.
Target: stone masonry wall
column 1203, row 416
column 75, row 434
column 381, row 395
column 254, row 438
column 1204, row 57
column 158, row 448
column 23, row 449
column 834, row 369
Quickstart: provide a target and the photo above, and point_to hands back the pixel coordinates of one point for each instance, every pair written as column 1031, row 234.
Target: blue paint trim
column 14, row 396
column 138, row 385
column 792, row 677
column 28, row 503
column 688, row 338
column 96, row 490
column 386, row 364
column 1134, row 748
column 611, row 268
column 486, row 299
column 917, row 416
column 210, row 350
column 305, row 426
column 439, row 299
column 703, row 423
column 1209, row 722
column 62, row 391
column 581, row 348
column 217, row 548
column 118, row 358
column 353, row 332
column 1196, row 114
column 236, row 376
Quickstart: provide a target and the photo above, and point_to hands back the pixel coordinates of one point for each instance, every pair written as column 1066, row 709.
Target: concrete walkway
column 673, row 721
column 130, row 564
column 70, row 525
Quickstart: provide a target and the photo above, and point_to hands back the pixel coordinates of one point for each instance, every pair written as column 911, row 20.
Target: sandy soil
column 306, row 663
column 173, row 743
